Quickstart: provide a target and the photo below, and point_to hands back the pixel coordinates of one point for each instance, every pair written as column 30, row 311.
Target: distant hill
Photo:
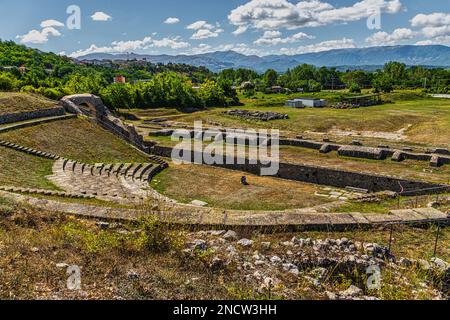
column 367, row 58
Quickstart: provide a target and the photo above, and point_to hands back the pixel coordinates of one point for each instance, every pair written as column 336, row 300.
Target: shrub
column 158, row 236
column 354, row 88
column 6, row 83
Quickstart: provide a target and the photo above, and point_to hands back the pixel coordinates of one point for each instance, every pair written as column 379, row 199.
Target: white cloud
column 240, row 30
column 39, row 37
column 424, row 43
column 133, row 45
column 172, row 20
column 204, row 30
column 384, row 38
column 322, row 46
column 172, row 43
column 437, row 19
column 273, row 38
column 200, row 25
column 272, row 34
column 205, row 34
column 101, row 16
column 52, row 23
column 433, row 32
column 277, row 14
column 202, row 48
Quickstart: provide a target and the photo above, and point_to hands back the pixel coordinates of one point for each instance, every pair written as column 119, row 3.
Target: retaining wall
column 24, row 116
column 325, row 176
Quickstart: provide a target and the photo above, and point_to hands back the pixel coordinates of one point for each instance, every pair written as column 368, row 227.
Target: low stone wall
column 24, row 116
column 362, row 152
column 325, row 176
column 381, row 153
column 35, row 122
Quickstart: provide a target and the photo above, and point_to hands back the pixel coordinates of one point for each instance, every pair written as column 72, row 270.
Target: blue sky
column 259, row 27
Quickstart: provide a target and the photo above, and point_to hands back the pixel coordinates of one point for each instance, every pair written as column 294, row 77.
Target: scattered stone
column 230, row 235
column 62, row 265
column 199, row 203
column 199, row 244
column 102, row 225
column 216, row 233
column 276, row 260
column 352, row 292
column 245, row 243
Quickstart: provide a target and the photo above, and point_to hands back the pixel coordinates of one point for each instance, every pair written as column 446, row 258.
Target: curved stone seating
column 46, row 192
column 123, row 183
column 31, row 151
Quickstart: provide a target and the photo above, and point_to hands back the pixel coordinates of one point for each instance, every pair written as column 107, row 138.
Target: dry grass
column 22, row 170
column 78, row 139
column 33, row 243
column 14, row 102
column 221, row 188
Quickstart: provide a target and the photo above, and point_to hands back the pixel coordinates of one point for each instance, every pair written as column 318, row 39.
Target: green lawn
column 426, row 120
column 15, row 102
column 22, row 170
column 78, row 139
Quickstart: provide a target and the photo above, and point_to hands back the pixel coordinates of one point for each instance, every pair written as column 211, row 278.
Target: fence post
column 437, row 240
column 390, row 237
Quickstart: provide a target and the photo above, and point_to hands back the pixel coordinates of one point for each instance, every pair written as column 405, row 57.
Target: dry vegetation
column 146, row 260
column 221, row 188
column 23, row 102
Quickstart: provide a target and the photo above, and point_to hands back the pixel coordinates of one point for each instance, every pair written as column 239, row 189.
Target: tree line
column 183, row 86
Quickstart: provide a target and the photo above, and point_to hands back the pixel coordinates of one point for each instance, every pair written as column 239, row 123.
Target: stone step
column 145, row 168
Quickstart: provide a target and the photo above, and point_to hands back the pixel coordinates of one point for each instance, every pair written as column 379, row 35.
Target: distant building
column 22, row 69
column 120, row 79
column 247, row 85
column 307, row 102
column 276, row 89
column 295, row 103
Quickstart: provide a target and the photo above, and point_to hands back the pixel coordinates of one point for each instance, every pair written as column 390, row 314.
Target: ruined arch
column 86, row 104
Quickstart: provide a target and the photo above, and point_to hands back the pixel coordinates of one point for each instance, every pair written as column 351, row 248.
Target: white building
column 307, row 102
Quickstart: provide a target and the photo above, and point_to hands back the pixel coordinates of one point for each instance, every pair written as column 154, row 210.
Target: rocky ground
column 336, row 269
column 152, row 260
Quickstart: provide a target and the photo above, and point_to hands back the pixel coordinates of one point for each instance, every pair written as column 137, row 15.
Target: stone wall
column 327, row 176
column 24, row 116
column 381, row 153
column 92, row 106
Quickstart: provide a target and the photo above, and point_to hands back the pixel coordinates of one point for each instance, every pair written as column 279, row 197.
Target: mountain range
column 365, row 58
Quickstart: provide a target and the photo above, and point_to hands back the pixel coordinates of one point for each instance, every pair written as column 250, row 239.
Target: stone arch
column 93, row 107
column 86, row 104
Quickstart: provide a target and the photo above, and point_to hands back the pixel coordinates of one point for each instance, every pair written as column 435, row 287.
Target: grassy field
column 77, row 139
column 14, row 102
column 22, row 170
column 425, row 121
column 221, row 188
